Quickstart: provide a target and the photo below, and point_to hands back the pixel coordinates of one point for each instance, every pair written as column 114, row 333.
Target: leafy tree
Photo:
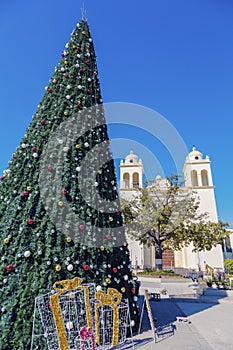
column 40, row 242
column 165, row 214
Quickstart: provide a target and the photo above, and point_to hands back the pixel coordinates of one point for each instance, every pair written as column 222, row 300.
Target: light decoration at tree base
column 75, row 317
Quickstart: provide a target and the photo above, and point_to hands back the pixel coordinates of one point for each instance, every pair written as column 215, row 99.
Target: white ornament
column 90, row 40
column 27, row 254
column 126, row 277
column 70, row 267
column 78, row 169
column 35, row 155
column 69, row 325
column 98, row 288
column 89, row 79
column 23, row 145
column 48, row 263
column 86, row 144
column 68, row 87
column 132, row 323
column 5, row 280
column 60, row 141
column 78, row 55
column 135, row 298
column 79, row 87
column 96, row 184
column 68, row 97
column 65, row 149
column 62, row 69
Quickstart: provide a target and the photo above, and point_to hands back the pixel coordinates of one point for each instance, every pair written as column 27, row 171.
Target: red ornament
column 1, row 178
column 14, row 156
column 30, row 222
column 114, row 270
column 81, row 70
column 98, row 149
column 87, row 62
column 79, row 48
column 64, row 191
column 108, row 237
column 62, row 54
column 81, row 227
column 89, row 91
column 85, row 267
column 66, row 75
column 118, row 213
column 49, row 90
column 9, row 268
column 42, row 122
column 34, row 149
column 26, row 193
column 50, row 168
column 133, row 290
column 79, row 105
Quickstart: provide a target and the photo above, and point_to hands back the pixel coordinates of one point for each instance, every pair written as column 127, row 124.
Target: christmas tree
column 59, row 209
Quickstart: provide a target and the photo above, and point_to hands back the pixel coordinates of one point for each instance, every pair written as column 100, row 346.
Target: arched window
column 135, row 180
column 204, row 178
column 194, row 178
column 126, row 180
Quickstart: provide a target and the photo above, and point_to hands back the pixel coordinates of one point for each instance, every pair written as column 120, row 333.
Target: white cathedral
column 198, row 178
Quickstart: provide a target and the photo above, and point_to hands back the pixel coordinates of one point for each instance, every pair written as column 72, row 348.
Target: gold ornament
column 29, row 188
column 89, row 116
column 67, row 285
column 65, row 113
column 95, row 72
column 110, row 218
column 108, row 280
column 68, row 239
column 77, row 146
column 99, row 171
column 66, row 62
column 54, row 81
column 74, row 47
column 112, row 299
column 58, row 268
column 60, row 204
column 113, row 182
column 7, row 240
column 83, row 32
column 38, row 106
column 123, row 289
column 102, row 248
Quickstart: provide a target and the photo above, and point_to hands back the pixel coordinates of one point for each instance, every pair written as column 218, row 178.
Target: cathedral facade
column 198, row 179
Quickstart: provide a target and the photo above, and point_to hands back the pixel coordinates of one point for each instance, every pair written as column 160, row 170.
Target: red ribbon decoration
column 86, row 333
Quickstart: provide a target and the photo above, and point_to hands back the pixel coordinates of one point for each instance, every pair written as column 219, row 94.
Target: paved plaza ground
column 186, row 321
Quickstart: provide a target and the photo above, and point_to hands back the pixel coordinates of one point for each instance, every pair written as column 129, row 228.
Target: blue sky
column 174, row 57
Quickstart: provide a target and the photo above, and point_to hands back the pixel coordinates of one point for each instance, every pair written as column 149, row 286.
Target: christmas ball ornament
column 123, row 289
column 89, row 91
column 35, row 155
column 23, row 145
column 50, row 168
column 102, row 248
column 70, row 267
column 6, row 240
column 114, row 270
column 9, row 268
column 14, row 156
column 86, row 144
column 60, row 203
column 69, row 325
column 83, row 32
column 98, row 288
column 81, row 70
column 81, row 227
column 27, row 254
column 26, row 193
column 5, row 280
column 63, row 191
column 78, row 169
column 87, row 62
column 79, row 48
column 108, row 281
column 49, row 90
column 79, row 87
column 77, row 146
column 85, row 267
column 66, row 75
column 135, row 298
column 68, row 239
column 68, row 97
column 108, row 237
column 42, row 122
column 60, row 141
column 57, row 268
column 66, row 149
column 54, row 81
column 79, row 105
column 110, row 219
column 68, row 87
column 34, row 149
column 132, row 323
column 66, row 113
column 30, row 222
column 126, row 277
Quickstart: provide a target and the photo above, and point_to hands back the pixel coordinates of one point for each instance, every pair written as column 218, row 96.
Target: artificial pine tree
column 50, row 223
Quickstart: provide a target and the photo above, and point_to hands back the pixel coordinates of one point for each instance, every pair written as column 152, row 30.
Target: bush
column 229, row 266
